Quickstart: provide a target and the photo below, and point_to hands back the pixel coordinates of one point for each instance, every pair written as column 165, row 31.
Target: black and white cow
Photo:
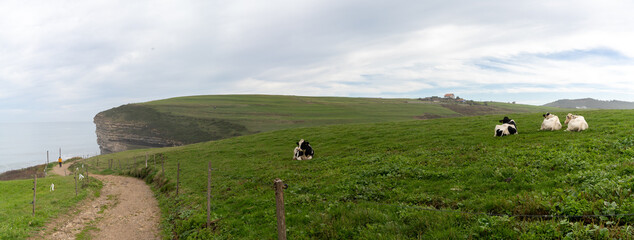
column 303, row 151
column 508, row 127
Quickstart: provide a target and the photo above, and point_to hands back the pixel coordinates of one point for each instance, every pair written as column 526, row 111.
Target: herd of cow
column 551, row 122
column 576, row 123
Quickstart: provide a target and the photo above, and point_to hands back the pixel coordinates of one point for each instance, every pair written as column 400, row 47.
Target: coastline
column 27, row 172
column 24, row 173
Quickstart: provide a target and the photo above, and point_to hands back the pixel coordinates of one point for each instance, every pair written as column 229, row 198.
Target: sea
column 25, row 144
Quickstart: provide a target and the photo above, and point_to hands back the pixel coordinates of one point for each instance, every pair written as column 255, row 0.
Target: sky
column 69, row 60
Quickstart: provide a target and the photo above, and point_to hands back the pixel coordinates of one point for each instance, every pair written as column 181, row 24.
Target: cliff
column 116, row 136
column 136, row 126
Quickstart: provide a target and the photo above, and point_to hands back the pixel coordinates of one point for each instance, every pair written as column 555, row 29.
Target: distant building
column 450, row 95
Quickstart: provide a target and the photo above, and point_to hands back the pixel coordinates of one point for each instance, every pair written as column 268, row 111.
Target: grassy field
column 380, row 180
column 16, row 220
column 203, row 118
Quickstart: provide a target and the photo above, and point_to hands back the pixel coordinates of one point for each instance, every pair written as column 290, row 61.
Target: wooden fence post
column 75, row 176
column 145, row 159
column 178, row 177
column 281, row 216
column 209, row 194
column 34, row 191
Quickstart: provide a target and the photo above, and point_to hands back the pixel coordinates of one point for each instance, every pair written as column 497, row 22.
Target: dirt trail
column 126, row 209
column 62, row 171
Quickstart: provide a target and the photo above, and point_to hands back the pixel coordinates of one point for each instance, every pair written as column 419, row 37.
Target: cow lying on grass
column 551, row 122
column 303, row 151
column 576, row 123
column 507, row 128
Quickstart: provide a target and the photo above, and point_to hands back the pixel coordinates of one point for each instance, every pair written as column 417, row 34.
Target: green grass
column 203, row 118
column 16, row 220
column 373, row 181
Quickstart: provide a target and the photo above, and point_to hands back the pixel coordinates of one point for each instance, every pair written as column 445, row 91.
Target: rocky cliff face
column 116, row 136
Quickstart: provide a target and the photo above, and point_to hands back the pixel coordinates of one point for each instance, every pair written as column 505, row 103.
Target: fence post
column 281, row 216
column 178, row 177
column 163, row 166
column 34, row 191
column 208, row 194
column 75, row 176
column 145, row 159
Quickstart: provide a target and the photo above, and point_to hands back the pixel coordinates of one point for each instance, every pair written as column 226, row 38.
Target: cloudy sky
column 68, row 60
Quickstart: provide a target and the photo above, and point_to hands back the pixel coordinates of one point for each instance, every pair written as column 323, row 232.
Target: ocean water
column 25, row 144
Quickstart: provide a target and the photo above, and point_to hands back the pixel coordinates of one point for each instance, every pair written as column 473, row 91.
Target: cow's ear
column 307, row 142
column 297, row 143
column 501, row 120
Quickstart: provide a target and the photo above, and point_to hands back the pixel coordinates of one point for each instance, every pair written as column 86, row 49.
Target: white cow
column 551, row 122
column 576, row 123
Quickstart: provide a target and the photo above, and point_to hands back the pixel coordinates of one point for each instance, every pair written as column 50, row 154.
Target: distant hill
column 187, row 120
column 590, row 103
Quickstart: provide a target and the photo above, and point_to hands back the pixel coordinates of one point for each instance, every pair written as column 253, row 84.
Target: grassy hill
column 419, row 179
column 261, row 113
column 591, row 104
column 187, row 120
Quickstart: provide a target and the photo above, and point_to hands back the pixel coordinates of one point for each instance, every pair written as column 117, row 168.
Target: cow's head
column 304, row 145
column 547, row 115
column 507, row 120
column 569, row 117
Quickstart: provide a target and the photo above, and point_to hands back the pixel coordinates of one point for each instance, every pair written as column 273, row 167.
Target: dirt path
column 126, row 209
column 62, row 171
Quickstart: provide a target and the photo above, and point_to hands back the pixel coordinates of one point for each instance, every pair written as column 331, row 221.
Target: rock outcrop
column 135, row 126
column 116, row 136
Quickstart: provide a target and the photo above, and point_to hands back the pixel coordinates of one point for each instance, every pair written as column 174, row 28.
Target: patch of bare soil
column 126, row 209
column 471, row 110
column 62, row 171
column 428, row 116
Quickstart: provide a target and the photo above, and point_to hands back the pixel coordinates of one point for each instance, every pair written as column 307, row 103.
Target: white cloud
column 93, row 55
